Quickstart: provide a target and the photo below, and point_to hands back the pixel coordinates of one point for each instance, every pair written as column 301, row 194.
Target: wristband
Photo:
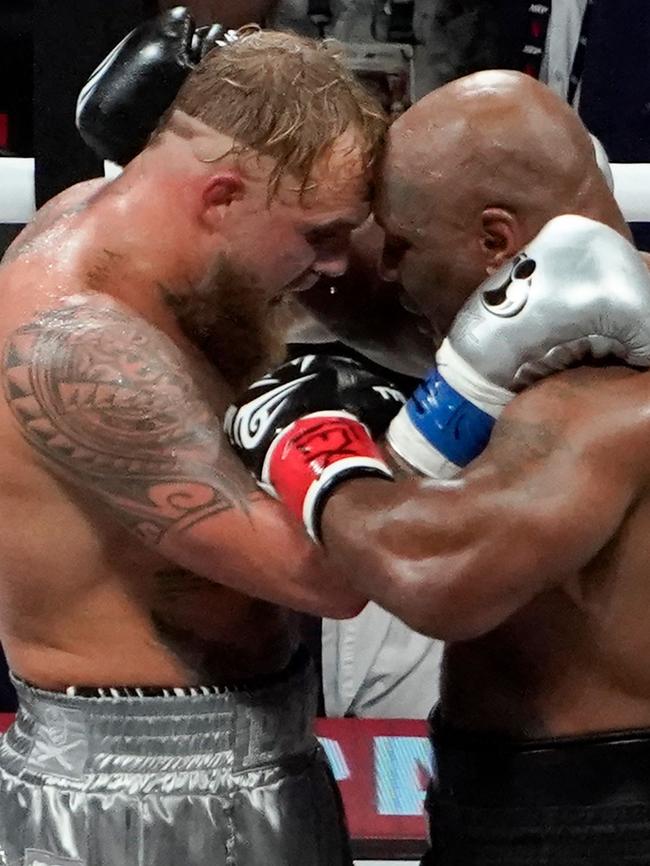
column 313, row 455
column 449, row 419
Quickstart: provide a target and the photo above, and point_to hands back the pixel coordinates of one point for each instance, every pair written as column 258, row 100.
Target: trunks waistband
column 493, row 771
column 70, row 735
column 298, row 661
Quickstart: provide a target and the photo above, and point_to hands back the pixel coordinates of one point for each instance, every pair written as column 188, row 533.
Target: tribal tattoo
column 108, row 402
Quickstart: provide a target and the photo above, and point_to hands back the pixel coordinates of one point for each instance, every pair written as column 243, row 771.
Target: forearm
column 420, row 550
column 263, row 552
column 368, row 525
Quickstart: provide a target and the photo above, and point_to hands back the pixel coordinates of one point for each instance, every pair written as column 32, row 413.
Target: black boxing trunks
column 581, row 801
column 198, row 777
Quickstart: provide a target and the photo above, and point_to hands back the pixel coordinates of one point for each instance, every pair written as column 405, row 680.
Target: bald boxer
column 532, row 561
column 165, row 715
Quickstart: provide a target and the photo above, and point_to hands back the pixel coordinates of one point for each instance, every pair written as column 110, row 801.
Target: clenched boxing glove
column 120, row 105
column 578, row 289
column 308, row 425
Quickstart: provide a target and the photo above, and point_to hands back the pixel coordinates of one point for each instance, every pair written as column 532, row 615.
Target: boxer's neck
column 142, row 234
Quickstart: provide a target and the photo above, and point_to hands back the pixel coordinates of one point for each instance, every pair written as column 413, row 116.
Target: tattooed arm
column 109, row 404
column 455, row 559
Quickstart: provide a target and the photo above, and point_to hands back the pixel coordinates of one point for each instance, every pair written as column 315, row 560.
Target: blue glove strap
column 458, row 429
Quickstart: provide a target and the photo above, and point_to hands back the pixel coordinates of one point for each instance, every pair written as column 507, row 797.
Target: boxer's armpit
column 108, row 402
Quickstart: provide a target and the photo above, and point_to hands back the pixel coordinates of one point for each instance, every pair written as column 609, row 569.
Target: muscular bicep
column 550, row 491
column 109, row 404
column 455, row 559
column 557, row 464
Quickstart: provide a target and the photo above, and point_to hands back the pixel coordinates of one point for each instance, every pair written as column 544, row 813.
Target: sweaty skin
column 533, row 563
column 472, row 173
column 486, row 155
column 131, row 538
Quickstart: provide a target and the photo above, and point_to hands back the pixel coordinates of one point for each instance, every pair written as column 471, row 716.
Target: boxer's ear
column 219, row 191
column 501, row 237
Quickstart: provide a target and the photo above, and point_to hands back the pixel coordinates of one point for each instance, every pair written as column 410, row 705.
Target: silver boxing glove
column 578, row 289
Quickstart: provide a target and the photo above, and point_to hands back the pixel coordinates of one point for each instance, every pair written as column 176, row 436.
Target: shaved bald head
column 471, row 173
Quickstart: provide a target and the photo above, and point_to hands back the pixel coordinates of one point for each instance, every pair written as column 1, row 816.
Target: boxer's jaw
column 255, row 250
column 227, row 317
column 288, row 230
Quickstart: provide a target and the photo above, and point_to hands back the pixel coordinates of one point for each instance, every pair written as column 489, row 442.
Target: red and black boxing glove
column 309, row 425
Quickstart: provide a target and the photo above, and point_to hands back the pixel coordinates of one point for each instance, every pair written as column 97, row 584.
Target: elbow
column 347, row 608
column 340, row 600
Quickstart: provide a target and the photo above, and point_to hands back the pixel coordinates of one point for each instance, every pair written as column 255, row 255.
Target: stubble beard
column 228, row 317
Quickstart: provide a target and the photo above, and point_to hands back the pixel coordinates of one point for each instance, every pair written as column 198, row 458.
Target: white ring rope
column 17, row 188
column 631, row 187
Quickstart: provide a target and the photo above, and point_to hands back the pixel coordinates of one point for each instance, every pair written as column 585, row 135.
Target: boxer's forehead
column 340, row 181
column 406, row 187
column 397, row 203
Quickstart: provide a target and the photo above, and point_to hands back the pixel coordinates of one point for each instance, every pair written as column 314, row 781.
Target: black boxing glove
column 310, row 424
column 124, row 98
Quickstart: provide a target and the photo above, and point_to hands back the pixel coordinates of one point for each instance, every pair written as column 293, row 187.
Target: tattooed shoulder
column 108, row 401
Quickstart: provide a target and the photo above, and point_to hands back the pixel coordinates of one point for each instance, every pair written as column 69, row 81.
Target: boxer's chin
column 257, row 348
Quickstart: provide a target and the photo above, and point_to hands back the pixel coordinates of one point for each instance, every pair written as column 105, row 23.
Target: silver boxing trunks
column 201, row 777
